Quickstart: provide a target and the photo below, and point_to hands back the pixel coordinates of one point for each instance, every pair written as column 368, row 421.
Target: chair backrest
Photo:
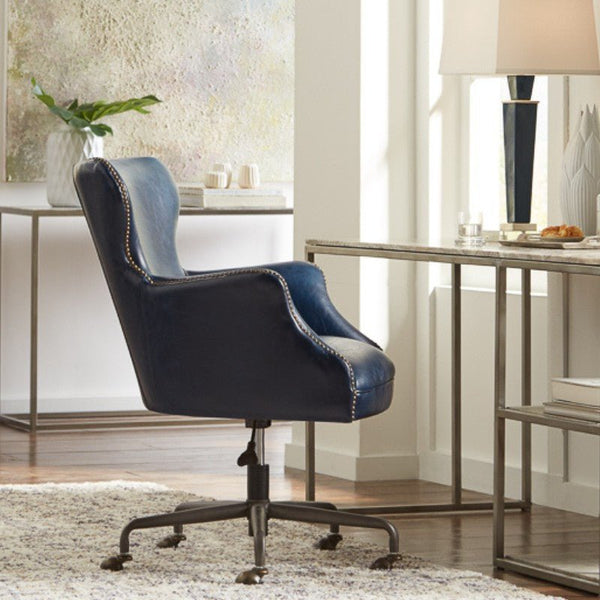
column 131, row 207
column 138, row 197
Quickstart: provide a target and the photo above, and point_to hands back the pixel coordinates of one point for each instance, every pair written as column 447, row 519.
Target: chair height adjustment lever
column 249, row 456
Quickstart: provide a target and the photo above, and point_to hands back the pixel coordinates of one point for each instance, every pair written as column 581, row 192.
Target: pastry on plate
column 562, row 231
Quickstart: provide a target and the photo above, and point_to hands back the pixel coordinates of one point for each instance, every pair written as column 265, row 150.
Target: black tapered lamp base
column 520, row 115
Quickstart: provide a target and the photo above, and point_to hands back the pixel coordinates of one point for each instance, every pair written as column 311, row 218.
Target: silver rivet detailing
column 124, row 193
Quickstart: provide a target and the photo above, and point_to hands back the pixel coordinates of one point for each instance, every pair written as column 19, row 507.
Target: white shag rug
column 53, row 537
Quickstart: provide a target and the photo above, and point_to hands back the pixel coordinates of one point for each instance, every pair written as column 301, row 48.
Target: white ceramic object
column 64, row 149
column 580, row 183
column 225, row 168
column 215, row 179
column 249, row 176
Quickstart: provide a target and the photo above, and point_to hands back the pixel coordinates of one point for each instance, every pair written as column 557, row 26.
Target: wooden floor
column 202, row 460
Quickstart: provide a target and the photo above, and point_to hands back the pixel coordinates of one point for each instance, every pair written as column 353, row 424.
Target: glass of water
column 470, row 229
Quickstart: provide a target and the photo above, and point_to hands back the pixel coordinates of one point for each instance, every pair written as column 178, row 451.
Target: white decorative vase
column 225, row 168
column 249, row 176
column 65, row 148
column 215, row 179
column 581, row 173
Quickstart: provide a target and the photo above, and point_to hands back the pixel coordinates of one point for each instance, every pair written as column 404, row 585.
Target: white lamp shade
column 520, row 37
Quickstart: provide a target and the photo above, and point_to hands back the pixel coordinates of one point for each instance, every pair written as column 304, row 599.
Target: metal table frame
column 456, row 260
column 501, row 259
column 528, row 415
column 34, row 421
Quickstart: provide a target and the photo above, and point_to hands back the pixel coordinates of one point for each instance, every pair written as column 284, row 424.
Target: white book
column 198, row 195
column 233, row 201
column 198, row 189
column 573, row 412
column 580, row 390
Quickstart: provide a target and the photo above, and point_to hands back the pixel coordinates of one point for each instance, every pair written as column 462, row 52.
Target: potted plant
column 80, row 138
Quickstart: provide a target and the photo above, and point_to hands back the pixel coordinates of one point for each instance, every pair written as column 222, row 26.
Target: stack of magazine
column 234, row 197
column 575, row 397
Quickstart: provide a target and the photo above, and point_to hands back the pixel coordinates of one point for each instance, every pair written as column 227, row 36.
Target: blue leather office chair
column 257, row 343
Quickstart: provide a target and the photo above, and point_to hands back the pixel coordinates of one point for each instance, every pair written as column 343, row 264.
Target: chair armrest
column 232, row 291
column 308, row 290
column 222, row 332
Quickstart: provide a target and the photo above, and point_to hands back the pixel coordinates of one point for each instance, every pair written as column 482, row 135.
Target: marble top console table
column 501, row 258
column 585, row 262
column 34, row 421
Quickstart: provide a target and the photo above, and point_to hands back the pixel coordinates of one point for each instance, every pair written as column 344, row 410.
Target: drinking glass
column 470, row 229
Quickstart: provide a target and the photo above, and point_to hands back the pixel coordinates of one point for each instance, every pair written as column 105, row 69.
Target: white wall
column 354, row 176
column 82, row 354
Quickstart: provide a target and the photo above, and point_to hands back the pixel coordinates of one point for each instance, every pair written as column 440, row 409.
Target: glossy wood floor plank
column 203, row 461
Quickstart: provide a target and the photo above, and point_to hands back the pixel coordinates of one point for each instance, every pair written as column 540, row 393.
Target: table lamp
column 520, row 39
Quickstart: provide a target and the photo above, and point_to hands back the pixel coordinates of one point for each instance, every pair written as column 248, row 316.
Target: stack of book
column 197, row 195
column 575, row 397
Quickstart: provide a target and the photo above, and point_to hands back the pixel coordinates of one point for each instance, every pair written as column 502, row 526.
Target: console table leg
column 499, row 403
column 309, row 442
column 33, row 344
column 0, row 312
column 526, row 384
column 456, row 387
column 565, row 351
column 309, row 462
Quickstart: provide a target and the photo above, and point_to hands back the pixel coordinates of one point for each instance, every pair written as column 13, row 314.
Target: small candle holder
column 249, row 176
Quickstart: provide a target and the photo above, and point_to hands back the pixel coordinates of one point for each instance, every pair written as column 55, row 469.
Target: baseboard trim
column 355, row 468
column 547, row 489
column 58, row 405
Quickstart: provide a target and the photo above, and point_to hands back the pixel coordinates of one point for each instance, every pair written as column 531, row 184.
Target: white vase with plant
column 80, row 138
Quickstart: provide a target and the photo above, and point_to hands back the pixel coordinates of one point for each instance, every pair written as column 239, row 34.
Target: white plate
column 557, row 243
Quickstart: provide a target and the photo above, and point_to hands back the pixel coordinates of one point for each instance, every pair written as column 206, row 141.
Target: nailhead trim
column 126, row 203
column 124, row 192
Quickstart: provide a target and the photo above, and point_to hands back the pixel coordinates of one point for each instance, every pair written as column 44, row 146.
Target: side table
column 501, row 258
column 34, row 421
column 529, row 415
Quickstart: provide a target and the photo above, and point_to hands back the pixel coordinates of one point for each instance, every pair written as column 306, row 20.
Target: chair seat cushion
column 373, row 374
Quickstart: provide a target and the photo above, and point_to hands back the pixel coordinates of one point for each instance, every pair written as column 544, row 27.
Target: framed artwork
column 224, row 70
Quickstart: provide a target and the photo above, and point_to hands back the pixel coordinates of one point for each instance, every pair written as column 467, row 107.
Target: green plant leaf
column 83, row 115
column 65, row 114
column 103, row 109
column 100, row 129
column 39, row 93
column 78, row 122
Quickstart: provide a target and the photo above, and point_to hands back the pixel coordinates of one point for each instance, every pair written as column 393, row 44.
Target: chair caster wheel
column 329, row 542
column 115, row 563
column 385, row 562
column 252, row 577
column 171, row 541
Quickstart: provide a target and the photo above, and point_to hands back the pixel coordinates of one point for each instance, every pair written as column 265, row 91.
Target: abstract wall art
column 223, row 68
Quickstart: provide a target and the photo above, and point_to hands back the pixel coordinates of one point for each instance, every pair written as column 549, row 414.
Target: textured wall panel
column 224, row 69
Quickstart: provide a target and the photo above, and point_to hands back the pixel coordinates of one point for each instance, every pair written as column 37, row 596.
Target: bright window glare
column 487, row 190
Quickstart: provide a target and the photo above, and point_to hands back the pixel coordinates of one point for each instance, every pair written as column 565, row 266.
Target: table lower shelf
column 102, row 420
column 537, row 416
column 560, row 576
